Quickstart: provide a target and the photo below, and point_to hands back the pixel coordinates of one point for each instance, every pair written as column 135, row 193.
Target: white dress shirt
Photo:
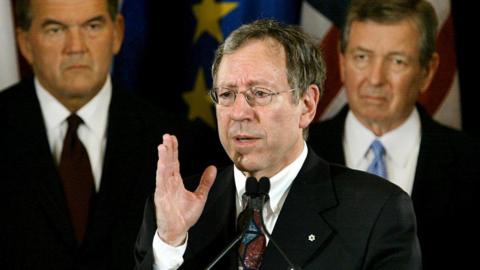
column 401, row 148
column 92, row 133
column 168, row 258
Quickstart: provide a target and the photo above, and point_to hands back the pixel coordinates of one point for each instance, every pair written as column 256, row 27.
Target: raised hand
column 176, row 208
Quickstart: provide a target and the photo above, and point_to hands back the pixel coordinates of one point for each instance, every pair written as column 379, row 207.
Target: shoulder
column 331, row 126
column 451, row 141
column 17, row 91
column 130, row 107
column 351, row 187
column 361, row 186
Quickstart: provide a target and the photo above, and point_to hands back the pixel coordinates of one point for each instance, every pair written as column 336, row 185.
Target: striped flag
column 322, row 19
column 9, row 72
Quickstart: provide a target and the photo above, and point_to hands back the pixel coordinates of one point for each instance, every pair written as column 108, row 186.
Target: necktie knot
column 74, row 121
column 378, row 166
column 377, row 148
column 71, row 137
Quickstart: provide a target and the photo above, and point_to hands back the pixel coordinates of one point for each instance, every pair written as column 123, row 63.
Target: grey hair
column 420, row 12
column 304, row 61
column 23, row 12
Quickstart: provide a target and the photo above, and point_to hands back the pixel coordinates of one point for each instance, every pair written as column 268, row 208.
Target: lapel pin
column 311, row 237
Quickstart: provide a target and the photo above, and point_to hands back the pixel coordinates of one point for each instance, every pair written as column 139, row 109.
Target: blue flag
column 184, row 47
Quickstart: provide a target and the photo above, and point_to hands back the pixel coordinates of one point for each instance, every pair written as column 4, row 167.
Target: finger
column 162, row 170
column 171, row 143
column 167, row 141
column 175, row 148
column 176, row 162
column 206, row 181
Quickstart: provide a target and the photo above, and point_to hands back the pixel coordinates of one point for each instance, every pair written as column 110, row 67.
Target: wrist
column 173, row 240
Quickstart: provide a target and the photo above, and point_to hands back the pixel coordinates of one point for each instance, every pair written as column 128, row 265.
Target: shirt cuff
column 167, row 257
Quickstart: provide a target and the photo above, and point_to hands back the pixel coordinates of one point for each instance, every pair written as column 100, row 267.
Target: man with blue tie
column 387, row 58
column 268, row 79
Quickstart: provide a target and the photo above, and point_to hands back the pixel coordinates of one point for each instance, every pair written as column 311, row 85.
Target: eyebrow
column 356, row 49
column 100, row 18
column 393, row 53
column 48, row 21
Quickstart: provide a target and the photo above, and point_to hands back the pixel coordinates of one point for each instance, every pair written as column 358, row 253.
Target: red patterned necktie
column 253, row 243
column 76, row 176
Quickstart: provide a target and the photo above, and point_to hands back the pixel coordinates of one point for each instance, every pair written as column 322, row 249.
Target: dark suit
column 446, row 180
column 37, row 233
column 358, row 222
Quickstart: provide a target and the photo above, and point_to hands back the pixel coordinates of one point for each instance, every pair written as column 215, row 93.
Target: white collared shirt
column 168, row 258
column 401, row 148
column 92, row 133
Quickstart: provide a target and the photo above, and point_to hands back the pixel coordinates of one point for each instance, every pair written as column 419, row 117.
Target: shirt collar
column 358, row 138
column 94, row 113
column 409, row 134
column 279, row 183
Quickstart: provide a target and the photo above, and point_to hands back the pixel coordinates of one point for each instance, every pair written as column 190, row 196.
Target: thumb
column 206, row 181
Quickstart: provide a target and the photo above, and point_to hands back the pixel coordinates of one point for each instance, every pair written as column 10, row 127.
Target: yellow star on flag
column 199, row 102
column 208, row 14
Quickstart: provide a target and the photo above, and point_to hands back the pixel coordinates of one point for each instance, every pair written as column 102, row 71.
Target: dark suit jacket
column 358, row 221
column 446, row 180
column 36, row 230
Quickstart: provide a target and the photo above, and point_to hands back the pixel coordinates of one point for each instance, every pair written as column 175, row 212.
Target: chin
column 79, row 92
column 244, row 164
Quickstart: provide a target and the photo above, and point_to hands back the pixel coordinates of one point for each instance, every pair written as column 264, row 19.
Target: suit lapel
column 301, row 231
column 434, row 144
column 39, row 163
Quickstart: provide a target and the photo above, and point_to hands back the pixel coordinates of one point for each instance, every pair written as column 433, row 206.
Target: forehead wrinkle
column 69, row 13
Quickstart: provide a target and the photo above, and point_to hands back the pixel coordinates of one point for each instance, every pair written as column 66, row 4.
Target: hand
column 176, row 208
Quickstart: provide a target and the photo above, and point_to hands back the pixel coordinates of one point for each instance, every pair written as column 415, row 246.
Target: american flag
column 322, row 19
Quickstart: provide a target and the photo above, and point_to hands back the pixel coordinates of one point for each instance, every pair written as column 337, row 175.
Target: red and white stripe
column 442, row 99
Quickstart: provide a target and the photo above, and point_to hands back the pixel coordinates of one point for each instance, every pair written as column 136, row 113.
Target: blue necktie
column 378, row 164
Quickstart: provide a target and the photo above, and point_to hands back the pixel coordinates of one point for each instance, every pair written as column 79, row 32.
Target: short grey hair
column 420, row 12
column 23, row 12
column 304, row 61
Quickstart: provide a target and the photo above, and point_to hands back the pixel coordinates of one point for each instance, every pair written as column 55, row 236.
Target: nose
column 75, row 41
column 241, row 109
column 377, row 72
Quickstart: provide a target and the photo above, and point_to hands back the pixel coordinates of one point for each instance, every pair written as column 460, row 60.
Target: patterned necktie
column 253, row 242
column 76, row 176
column 378, row 166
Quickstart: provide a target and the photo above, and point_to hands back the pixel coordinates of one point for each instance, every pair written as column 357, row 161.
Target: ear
column 429, row 72
column 118, row 33
column 309, row 102
column 23, row 40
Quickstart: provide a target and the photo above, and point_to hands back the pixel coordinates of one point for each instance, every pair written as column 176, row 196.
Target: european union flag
column 184, row 47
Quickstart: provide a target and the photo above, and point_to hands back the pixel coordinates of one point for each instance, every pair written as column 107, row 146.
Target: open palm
column 176, row 208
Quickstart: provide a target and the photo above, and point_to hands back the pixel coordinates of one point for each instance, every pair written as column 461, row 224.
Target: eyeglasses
column 255, row 96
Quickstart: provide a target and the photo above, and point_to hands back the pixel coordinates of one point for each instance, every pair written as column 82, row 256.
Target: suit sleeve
column 393, row 243
column 143, row 246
